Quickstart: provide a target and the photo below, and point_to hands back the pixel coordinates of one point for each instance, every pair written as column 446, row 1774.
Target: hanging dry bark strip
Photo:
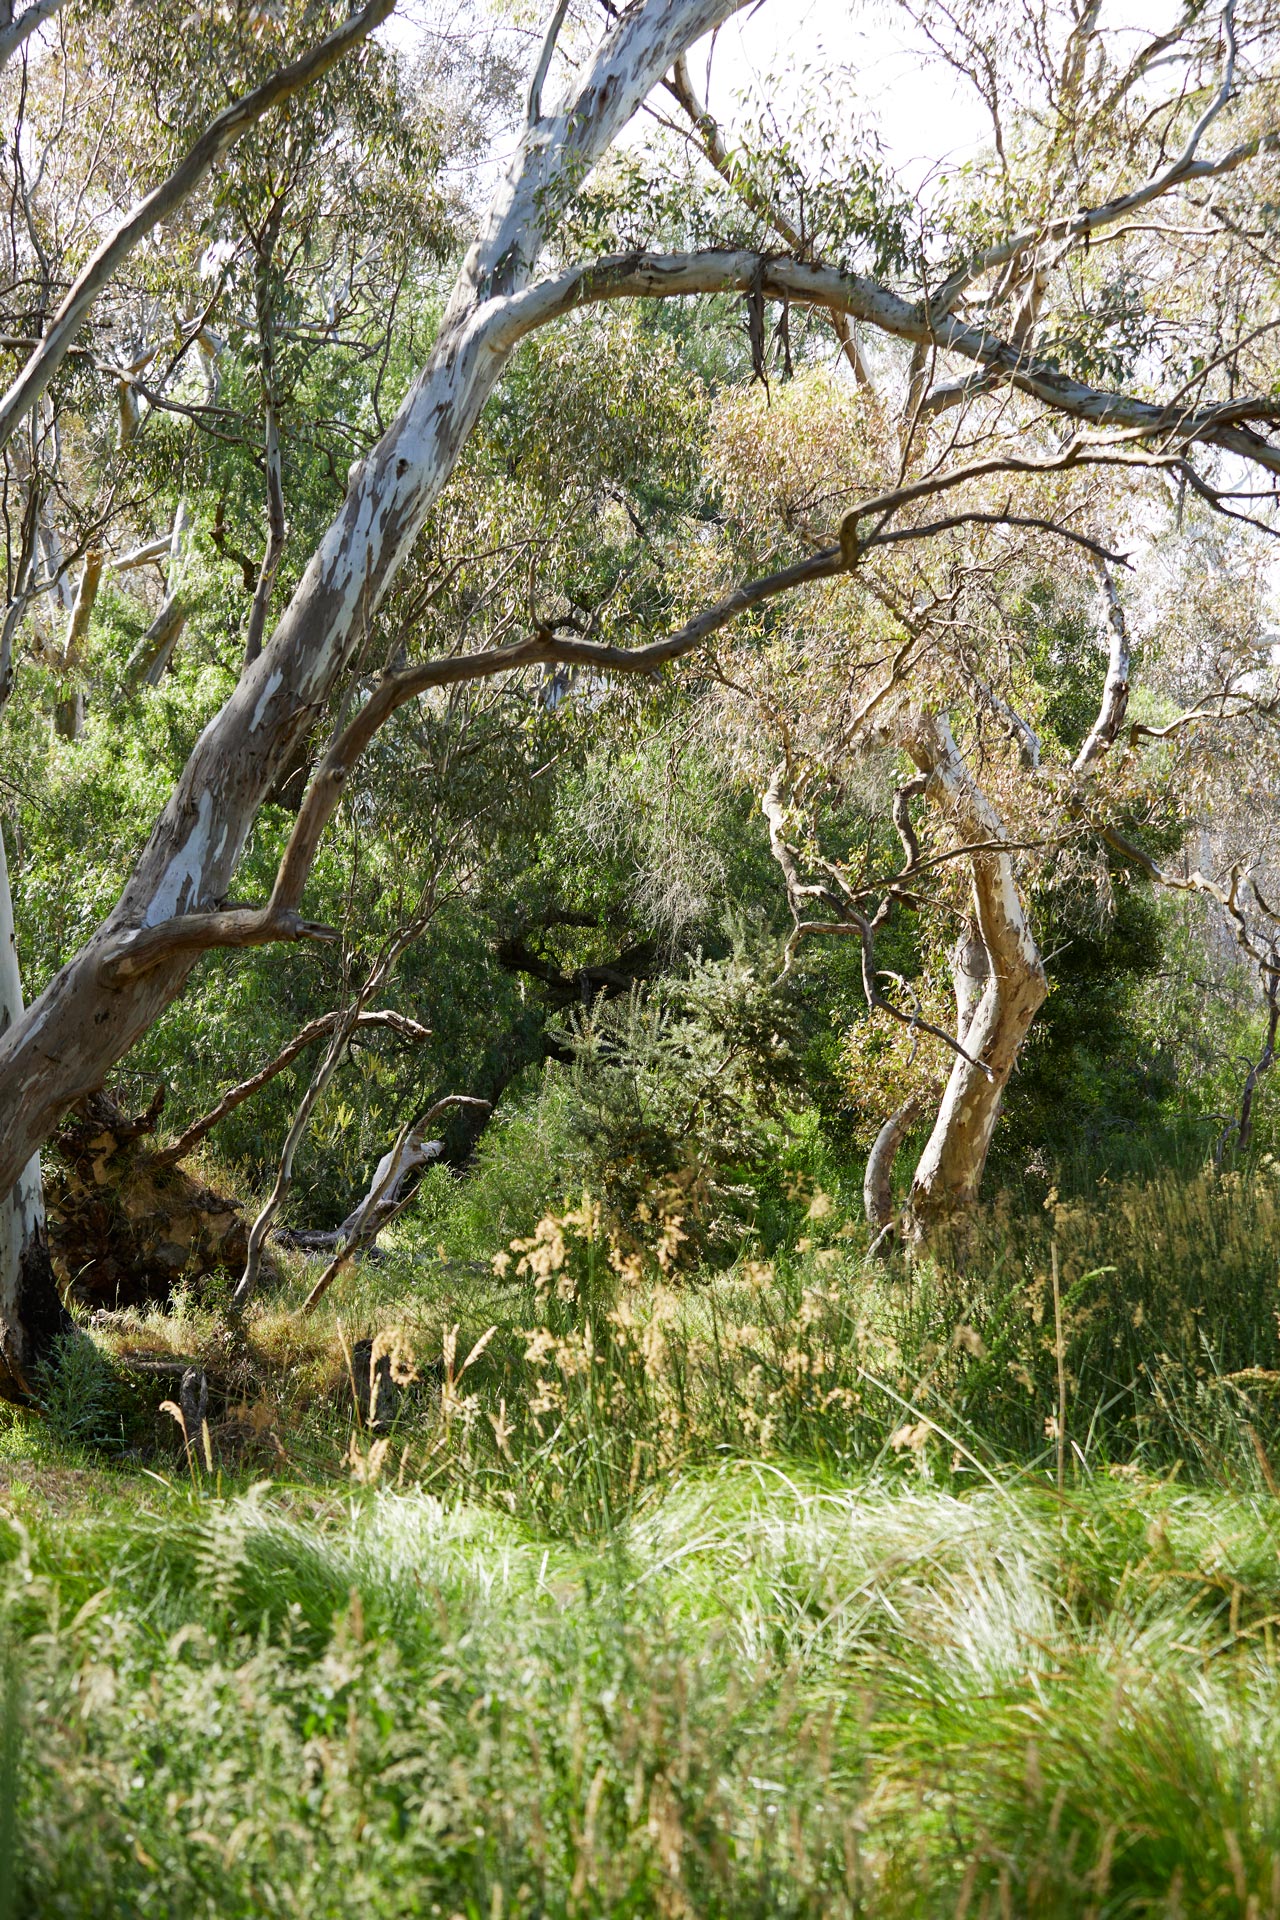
column 96, row 1008
column 710, row 142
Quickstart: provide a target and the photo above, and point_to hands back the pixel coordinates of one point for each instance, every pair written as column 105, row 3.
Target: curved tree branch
column 722, row 270
column 1065, row 231
column 236, row 1096
column 19, row 31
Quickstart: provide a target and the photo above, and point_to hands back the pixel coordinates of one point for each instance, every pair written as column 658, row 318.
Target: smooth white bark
column 154, row 651
column 387, row 1184
column 22, row 1224
column 996, row 1002
column 1115, row 690
column 16, row 32
column 84, row 1022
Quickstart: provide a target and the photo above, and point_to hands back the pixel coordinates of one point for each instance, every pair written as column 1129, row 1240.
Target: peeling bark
column 84, row 1022
column 970, row 972
column 996, row 1002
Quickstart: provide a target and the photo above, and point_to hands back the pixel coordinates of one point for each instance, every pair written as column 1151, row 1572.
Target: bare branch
column 533, row 103
column 374, row 1217
column 142, row 556
column 139, row 950
column 1069, row 228
column 314, row 1030
column 850, row 921
column 1115, row 690
column 15, row 36
column 678, row 275
column 1029, row 520
column 1228, row 897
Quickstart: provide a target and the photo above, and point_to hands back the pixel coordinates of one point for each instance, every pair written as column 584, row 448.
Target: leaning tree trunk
column 68, row 711
column 31, row 1314
column 147, row 663
column 1000, row 985
column 138, row 961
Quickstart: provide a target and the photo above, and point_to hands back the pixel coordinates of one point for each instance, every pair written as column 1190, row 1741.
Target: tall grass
column 765, row 1696
column 739, row 1593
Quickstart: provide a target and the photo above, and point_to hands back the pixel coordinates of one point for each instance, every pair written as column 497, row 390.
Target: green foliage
column 1096, row 1066
column 82, row 1397
column 675, row 1090
column 753, row 1597
column 703, row 1567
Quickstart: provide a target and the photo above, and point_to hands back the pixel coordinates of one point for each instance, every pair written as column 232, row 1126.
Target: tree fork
column 81, row 1025
column 996, row 1002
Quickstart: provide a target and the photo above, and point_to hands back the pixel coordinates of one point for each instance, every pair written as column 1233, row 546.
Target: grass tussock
column 669, row 1592
column 766, row 1696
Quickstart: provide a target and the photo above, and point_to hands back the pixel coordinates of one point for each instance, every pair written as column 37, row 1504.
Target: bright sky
column 925, row 115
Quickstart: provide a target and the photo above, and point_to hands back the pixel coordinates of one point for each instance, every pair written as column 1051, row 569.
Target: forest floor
column 772, row 1591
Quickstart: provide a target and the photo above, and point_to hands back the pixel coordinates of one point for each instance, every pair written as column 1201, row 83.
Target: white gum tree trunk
column 29, row 1307
column 68, row 712
column 151, row 656
column 999, row 981
column 88, row 1017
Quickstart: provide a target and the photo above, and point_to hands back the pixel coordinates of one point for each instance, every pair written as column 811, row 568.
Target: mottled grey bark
column 96, row 1007
column 998, row 993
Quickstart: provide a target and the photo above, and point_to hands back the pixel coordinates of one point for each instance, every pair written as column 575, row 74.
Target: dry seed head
column 478, row 1348
column 391, row 1345
column 366, row 1468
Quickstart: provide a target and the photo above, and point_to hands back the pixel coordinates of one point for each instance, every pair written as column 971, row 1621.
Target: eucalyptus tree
column 1101, row 295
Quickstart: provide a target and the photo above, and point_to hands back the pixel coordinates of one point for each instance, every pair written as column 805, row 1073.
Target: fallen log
column 385, row 1197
